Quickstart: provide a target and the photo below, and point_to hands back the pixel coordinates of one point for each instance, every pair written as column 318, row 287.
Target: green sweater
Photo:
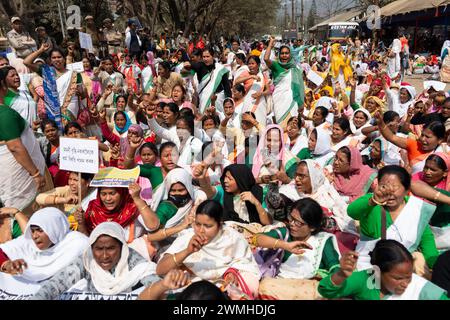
column 370, row 226
column 356, row 287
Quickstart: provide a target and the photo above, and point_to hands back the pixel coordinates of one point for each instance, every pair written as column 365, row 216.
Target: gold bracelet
column 37, row 174
column 165, row 233
column 376, row 202
column 275, row 244
column 175, row 259
column 437, row 195
column 146, row 206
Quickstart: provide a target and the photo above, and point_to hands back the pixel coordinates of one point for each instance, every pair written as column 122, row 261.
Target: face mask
column 180, row 201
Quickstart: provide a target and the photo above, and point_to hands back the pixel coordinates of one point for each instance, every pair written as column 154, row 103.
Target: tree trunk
column 155, row 15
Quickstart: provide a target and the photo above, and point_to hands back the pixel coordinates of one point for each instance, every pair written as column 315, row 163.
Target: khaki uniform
column 114, row 39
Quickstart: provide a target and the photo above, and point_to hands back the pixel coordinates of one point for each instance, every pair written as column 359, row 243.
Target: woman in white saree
column 46, row 247
column 63, row 88
column 213, row 251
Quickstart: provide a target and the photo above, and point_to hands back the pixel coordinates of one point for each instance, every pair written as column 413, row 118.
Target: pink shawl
column 444, row 184
column 360, row 179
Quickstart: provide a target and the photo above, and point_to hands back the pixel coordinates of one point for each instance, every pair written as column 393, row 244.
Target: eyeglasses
column 301, row 176
column 294, row 221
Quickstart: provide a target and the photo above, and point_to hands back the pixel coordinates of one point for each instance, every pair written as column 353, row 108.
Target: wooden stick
column 79, row 189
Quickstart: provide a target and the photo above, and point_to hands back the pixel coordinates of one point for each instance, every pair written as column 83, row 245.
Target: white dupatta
column 123, row 278
column 407, row 229
column 42, row 264
column 209, row 85
column 257, row 106
column 228, row 249
column 177, row 175
column 306, row 265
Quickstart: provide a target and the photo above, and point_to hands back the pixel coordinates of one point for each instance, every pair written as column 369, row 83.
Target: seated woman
column 188, row 145
column 176, row 198
column 168, row 155
column 212, row 157
column 430, row 141
column 271, row 160
column 318, row 120
column 108, row 267
column 120, row 205
column 396, row 278
column 435, row 171
column 46, row 247
column 13, row 223
column 213, row 251
column 350, row 177
column 49, row 143
column 358, row 122
column 341, row 135
column 310, row 182
column 406, row 219
column 241, row 197
column 375, row 158
column 296, row 137
column 309, row 254
column 66, row 198
column 319, row 148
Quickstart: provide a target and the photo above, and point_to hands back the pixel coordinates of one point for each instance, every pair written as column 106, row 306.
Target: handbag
column 269, row 260
column 242, row 292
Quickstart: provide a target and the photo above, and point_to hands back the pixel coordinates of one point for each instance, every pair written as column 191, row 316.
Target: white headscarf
column 123, row 278
column 323, row 144
column 178, row 175
column 405, row 106
column 355, row 131
column 446, row 45
column 43, row 264
column 325, row 194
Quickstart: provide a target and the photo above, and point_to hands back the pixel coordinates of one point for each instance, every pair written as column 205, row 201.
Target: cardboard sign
column 86, row 41
column 78, row 155
column 115, row 178
column 77, row 66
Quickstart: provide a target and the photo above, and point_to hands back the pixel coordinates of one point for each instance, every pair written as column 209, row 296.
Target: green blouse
column 370, row 226
column 356, row 287
column 330, row 257
column 11, row 124
column 165, row 211
column 441, row 217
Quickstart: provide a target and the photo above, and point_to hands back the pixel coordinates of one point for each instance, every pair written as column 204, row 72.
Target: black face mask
column 180, row 201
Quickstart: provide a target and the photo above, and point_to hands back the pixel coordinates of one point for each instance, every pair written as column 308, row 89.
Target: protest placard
column 77, row 66
column 114, row 177
column 314, row 78
column 78, row 155
column 86, row 41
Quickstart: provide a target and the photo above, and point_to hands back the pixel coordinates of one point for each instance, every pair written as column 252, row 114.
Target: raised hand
column 196, row 243
column 115, row 151
column 176, row 279
column 348, row 263
column 135, row 190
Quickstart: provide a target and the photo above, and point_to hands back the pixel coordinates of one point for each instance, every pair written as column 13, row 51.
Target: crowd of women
column 257, row 180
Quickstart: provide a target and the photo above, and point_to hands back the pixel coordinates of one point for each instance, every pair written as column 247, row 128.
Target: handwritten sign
column 86, row 41
column 78, row 155
column 114, row 177
column 77, row 66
